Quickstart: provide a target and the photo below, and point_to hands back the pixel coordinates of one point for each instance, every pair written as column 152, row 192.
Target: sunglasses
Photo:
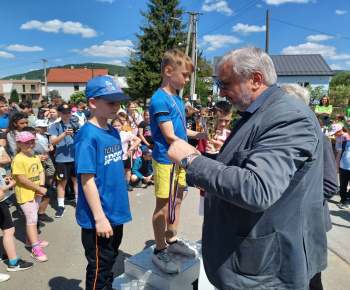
column 223, row 84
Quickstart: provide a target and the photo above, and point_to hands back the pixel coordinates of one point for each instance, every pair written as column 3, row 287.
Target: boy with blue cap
column 103, row 202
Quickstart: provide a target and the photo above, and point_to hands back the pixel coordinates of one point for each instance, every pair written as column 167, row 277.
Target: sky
column 78, row 31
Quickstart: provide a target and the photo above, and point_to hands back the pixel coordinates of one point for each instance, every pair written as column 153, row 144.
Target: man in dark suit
column 263, row 214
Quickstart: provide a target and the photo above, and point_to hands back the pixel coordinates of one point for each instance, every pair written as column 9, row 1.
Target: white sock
column 60, row 201
column 76, row 198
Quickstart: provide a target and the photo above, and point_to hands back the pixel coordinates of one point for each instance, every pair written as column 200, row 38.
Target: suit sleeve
column 262, row 173
column 330, row 178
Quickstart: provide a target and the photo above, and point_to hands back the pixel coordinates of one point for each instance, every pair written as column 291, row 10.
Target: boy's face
column 41, row 130
column 79, row 108
column 3, row 108
column 53, row 114
column 65, row 116
column 223, row 120
column 179, row 76
column 105, row 109
column 25, row 111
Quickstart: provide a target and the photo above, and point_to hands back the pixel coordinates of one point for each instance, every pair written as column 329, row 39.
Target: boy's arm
column 136, row 168
column 167, row 129
column 103, row 227
column 196, row 135
column 54, row 140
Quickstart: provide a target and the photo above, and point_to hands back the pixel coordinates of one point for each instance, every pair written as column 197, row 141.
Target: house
column 26, row 89
column 303, row 69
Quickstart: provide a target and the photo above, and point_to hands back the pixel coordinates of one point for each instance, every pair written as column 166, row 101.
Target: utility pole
column 267, row 31
column 45, row 60
column 187, row 46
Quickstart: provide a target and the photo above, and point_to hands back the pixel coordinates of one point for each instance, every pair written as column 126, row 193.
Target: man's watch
column 185, row 162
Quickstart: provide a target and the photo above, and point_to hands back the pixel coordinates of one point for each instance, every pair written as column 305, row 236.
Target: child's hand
column 41, row 192
column 69, row 131
column 10, row 181
column 43, row 158
column 103, row 228
column 51, row 148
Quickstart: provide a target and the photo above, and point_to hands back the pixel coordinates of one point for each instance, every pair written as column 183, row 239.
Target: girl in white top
column 135, row 118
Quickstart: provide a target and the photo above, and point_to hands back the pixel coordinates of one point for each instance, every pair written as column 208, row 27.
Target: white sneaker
column 182, row 248
column 164, row 262
column 4, row 277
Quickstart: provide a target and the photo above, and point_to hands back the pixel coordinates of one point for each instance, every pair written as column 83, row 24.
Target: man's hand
column 179, row 149
column 103, row 228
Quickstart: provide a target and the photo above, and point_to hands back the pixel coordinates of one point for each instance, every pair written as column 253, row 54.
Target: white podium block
column 127, row 282
column 142, row 267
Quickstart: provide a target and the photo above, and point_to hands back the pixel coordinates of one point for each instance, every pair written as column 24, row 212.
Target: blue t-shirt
column 4, row 121
column 64, row 149
column 98, row 151
column 161, row 109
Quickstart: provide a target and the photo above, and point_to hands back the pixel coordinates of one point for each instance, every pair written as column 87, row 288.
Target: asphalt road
column 65, row 268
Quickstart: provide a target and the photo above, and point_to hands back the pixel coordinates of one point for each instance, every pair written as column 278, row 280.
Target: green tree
column 14, row 96
column 78, row 96
column 54, row 94
column 340, row 79
column 316, row 93
column 339, row 95
column 160, row 33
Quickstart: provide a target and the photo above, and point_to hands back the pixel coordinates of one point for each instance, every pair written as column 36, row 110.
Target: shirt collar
column 259, row 101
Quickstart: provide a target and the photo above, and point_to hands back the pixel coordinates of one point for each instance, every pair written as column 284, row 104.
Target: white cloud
column 217, row 41
column 4, row 54
column 319, row 37
column 19, row 47
column 340, row 12
column 109, row 1
column 114, row 62
column 279, row 2
column 217, row 5
column 336, row 67
column 58, row 59
column 111, row 49
column 326, row 51
column 33, row 69
column 56, row 26
column 246, row 29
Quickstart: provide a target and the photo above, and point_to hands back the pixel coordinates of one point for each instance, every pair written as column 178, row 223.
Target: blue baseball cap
column 105, row 88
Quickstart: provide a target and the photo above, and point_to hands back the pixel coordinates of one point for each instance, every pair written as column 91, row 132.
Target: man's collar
column 259, row 101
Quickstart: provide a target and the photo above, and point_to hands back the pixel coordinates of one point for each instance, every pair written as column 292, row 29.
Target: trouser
column 344, row 178
column 101, row 254
column 316, row 282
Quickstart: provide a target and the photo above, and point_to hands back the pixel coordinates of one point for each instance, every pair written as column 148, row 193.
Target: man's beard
column 243, row 101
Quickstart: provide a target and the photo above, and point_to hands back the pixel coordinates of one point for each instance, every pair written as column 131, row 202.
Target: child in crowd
column 8, row 230
column 103, row 203
column 343, row 167
column 168, row 123
column 27, row 110
column 126, row 138
column 125, row 121
column 18, row 121
column 145, row 133
column 48, row 166
column 41, row 115
column 4, row 115
column 142, row 171
column 80, row 115
column 30, row 187
column 191, row 124
column 53, row 116
column 134, row 117
column 340, row 134
column 62, row 135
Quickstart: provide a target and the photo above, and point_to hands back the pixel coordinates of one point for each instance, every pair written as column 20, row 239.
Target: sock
column 13, row 262
column 35, row 245
column 127, row 181
column 60, row 201
column 157, row 251
column 76, row 198
column 170, row 243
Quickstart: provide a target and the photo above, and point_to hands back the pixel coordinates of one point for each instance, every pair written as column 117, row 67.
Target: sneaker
column 344, row 206
column 39, row 255
column 19, row 266
column 40, row 224
column 164, row 262
column 45, row 218
column 28, row 244
column 129, row 187
column 140, row 184
column 60, row 211
column 182, row 248
column 4, row 277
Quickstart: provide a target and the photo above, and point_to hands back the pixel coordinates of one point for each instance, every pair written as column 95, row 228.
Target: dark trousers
column 344, row 178
column 316, row 282
column 101, row 254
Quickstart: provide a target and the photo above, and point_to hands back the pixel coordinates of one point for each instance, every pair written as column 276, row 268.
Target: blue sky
column 79, row 31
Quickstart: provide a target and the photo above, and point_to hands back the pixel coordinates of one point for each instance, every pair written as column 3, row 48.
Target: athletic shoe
column 60, row 211
column 182, row 248
column 28, row 244
column 3, row 258
column 40, row 224
column 164, row 262
column 4, row 277
column 140, row 184
column 39, row 255
column 129, row 187
column 19, row 266
column 344, row 206
column 70, row 197
column 45, row 218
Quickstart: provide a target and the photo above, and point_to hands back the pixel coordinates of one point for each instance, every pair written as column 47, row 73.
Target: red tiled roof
column 68, row 75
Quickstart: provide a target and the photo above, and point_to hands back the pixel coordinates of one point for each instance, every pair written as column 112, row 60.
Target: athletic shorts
column 5, row 216
column 64, row 170
column 162, row 178
column 127, row 163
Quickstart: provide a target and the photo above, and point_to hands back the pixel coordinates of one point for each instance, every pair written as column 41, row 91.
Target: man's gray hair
column 248, row 59
column 296, row 91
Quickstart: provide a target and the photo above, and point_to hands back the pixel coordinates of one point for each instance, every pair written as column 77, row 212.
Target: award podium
column 142, row 274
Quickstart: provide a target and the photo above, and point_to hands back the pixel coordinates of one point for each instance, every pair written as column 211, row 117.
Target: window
column 24, row 88
column 33, row 87
column 35, row 97
column 304, row 84
column 76, row 88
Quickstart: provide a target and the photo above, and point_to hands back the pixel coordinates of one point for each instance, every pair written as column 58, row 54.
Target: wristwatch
column 185, row 162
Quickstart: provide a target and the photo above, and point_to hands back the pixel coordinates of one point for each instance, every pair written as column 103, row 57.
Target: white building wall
column 314, row 81
column 65, row 89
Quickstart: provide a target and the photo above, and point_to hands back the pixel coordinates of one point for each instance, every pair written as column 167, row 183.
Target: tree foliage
column 78, row 96
column 340, row 79
column 54, row 94
column 160, row 33
column 14, row 96
column 339, row 95
column 316, row 93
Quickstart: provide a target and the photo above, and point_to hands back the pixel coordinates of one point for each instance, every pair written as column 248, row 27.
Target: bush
column 14, row 96
column 78, row 96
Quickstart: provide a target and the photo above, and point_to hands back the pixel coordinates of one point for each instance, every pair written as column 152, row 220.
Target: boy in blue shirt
column 4, row 115
column 103, row 202
column 168, row 123
column 142, row 171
